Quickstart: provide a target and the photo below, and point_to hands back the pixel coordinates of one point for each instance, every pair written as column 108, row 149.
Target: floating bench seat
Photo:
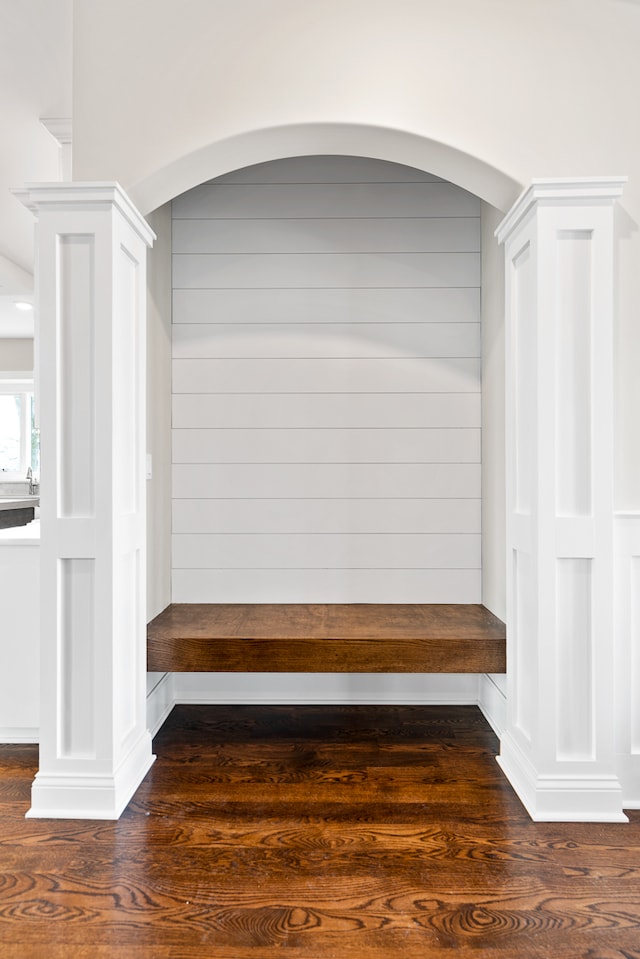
column 326, row 638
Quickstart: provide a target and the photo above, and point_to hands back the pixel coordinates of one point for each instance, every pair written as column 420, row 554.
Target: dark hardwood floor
column 310, row 832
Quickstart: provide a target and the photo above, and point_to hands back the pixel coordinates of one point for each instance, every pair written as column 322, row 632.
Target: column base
column 561, row 798
column 91, row 796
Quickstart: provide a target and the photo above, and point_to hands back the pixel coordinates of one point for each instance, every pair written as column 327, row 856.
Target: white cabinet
column 20, row 634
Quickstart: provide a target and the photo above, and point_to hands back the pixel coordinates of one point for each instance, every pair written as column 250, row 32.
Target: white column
column 91, row 289
column 558, row 750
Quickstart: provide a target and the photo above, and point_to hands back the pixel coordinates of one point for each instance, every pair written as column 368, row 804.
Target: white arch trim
column 309, row 139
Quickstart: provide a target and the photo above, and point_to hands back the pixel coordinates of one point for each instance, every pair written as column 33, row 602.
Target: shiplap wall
column 326, row 386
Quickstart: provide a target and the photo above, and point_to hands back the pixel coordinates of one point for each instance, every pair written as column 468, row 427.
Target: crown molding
column 60, row 129
column 84, row 196
column 554, row 191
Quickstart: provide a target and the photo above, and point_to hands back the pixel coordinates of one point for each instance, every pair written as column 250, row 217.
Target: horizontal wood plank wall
column 326, row 386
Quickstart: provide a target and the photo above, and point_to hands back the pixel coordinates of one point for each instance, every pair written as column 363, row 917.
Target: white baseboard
column 78, row 795
column 160, row 702
column 493, row 704
column 560, row 798
column 14, row 735
column 462, row 689
column 629, row 775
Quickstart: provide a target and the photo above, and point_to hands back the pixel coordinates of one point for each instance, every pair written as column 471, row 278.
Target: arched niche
column 91, row 264
column 308, row 139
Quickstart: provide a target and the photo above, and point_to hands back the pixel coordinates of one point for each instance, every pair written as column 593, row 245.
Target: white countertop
column 19, row 502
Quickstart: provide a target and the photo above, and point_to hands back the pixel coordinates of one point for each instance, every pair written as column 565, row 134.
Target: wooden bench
column 326, row 638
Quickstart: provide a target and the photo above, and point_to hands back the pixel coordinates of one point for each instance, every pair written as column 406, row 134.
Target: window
column 19, row 437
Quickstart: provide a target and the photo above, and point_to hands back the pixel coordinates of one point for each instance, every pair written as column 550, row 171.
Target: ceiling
column 35, row 83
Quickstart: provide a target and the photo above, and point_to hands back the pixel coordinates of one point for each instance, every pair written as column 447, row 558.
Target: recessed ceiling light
column 21, row 305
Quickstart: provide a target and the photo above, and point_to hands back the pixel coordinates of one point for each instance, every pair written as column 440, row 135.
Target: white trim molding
column 558, row 749
column 627, row 655
column 327, row 688
column 160, row 701
column 60, row 129
column 95, row 747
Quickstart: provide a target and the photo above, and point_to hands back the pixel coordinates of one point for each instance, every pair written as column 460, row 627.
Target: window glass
column 19, row 437
column 35, row 437
column 11, row 419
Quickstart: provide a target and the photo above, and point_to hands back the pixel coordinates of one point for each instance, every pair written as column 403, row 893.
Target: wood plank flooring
column 311, row 832
column 326, row 637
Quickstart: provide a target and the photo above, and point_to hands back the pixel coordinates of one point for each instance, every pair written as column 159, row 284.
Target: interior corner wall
column 493, row 417
column 159, row 414
column 16, row 354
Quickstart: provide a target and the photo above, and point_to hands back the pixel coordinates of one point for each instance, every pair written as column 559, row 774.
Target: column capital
column 554, row 191
column 89, row 196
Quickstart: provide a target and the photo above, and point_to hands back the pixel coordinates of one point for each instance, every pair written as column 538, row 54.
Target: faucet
column 30, row 478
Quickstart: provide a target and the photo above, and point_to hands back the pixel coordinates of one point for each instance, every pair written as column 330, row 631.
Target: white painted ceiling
column 35, row 82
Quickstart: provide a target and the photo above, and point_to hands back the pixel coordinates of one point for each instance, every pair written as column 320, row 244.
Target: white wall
column 35, row 82
column 493, row 421
column 159, row 414
column 20, row 635
column 326, row 386
column 455, row 88
column 460, row 73
column 16, row 355
column 492, row 688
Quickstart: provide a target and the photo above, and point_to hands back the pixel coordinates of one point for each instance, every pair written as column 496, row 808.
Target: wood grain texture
column 316, row 832
column 321, row 638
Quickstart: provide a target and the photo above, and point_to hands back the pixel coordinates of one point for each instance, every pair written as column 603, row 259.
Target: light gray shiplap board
column 321, row 480
column 376, row 305
column 325, row 270
column 336, row 200
column 344, row 375
column 326, row 551
column 326, row 410
column 326, row 354
column 322, row 235
column 339, row 516
column 326, row 585
column 325, row 340
column 326, row 446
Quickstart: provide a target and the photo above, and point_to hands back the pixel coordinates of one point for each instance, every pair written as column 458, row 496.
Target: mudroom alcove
column 547, row 444
column 327, row 430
